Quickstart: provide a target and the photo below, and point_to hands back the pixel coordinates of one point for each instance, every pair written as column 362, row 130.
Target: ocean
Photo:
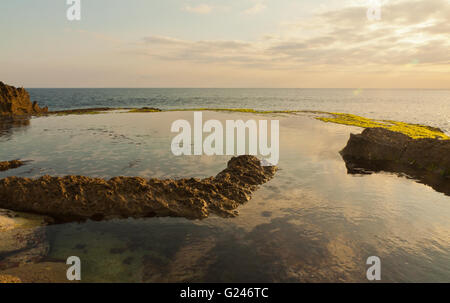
column 313, row 222
column 429, row 107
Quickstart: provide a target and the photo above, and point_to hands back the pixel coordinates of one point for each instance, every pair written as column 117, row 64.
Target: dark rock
column 77, row 198
column 378, row 149
column 16, row 101
column 6, row 165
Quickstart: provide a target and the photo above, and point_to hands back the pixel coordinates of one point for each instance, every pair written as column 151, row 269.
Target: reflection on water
column 8, row 125
column 366, row 167
column 312, row 222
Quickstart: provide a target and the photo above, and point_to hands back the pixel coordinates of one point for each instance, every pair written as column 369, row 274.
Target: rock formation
column 5, row 165
column 16, row 102
column 378, row 149
column 76, row 198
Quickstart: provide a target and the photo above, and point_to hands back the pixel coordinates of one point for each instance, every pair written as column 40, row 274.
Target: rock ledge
column 378, row 149
column 77, row 198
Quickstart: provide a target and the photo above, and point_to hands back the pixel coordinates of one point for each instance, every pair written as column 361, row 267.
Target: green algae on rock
column 415, row 131
column 81, row 111
column 145, row 110
column 379, row 149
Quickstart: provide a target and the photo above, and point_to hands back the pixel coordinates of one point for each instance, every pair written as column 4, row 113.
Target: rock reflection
column 159, row 250
column 9, row 124
column 364, row 167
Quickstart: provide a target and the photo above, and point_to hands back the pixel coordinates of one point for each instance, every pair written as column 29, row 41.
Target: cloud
column 199, row 9
column 342, row 39
column 255, row 9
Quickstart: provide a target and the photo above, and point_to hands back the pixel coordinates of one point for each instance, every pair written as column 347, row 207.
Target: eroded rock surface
column 378, row 149
column 16, row 101
column 76, row 198
column 5, row 165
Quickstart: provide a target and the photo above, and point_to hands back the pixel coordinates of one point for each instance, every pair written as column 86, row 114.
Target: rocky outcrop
column 75, row 198
column 378, row 149
column 6, row 165
column 16, row 102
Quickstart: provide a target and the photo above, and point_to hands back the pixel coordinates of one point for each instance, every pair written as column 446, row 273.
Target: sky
column 226, row 43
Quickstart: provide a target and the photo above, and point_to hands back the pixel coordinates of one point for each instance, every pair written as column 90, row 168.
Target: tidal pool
column 312, row 223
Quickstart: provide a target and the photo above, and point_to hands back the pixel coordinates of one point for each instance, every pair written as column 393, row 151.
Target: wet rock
column 9, row 279
column 22, row 238
column 75, row 198
column 378, row 149
column 16, row 101
column 6, row 165
column 45, row 272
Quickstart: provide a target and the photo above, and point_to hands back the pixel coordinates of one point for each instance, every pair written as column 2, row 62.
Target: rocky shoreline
column 32, row 204
column 16, row 102
column 47, row 200
column 378, row 149
column 78, row 198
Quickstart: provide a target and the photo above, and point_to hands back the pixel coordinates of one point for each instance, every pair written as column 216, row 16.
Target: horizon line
column 193, row 87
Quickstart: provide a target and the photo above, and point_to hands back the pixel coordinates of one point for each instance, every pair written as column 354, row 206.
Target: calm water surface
column 312, row 222
column 429, row 107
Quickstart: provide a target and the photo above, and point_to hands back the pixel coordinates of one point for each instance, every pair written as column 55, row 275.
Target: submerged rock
column 6, row 165
column 75, row 198
column 378, row 149
column 43, row 272
column 22, row 238
column 16, row 101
